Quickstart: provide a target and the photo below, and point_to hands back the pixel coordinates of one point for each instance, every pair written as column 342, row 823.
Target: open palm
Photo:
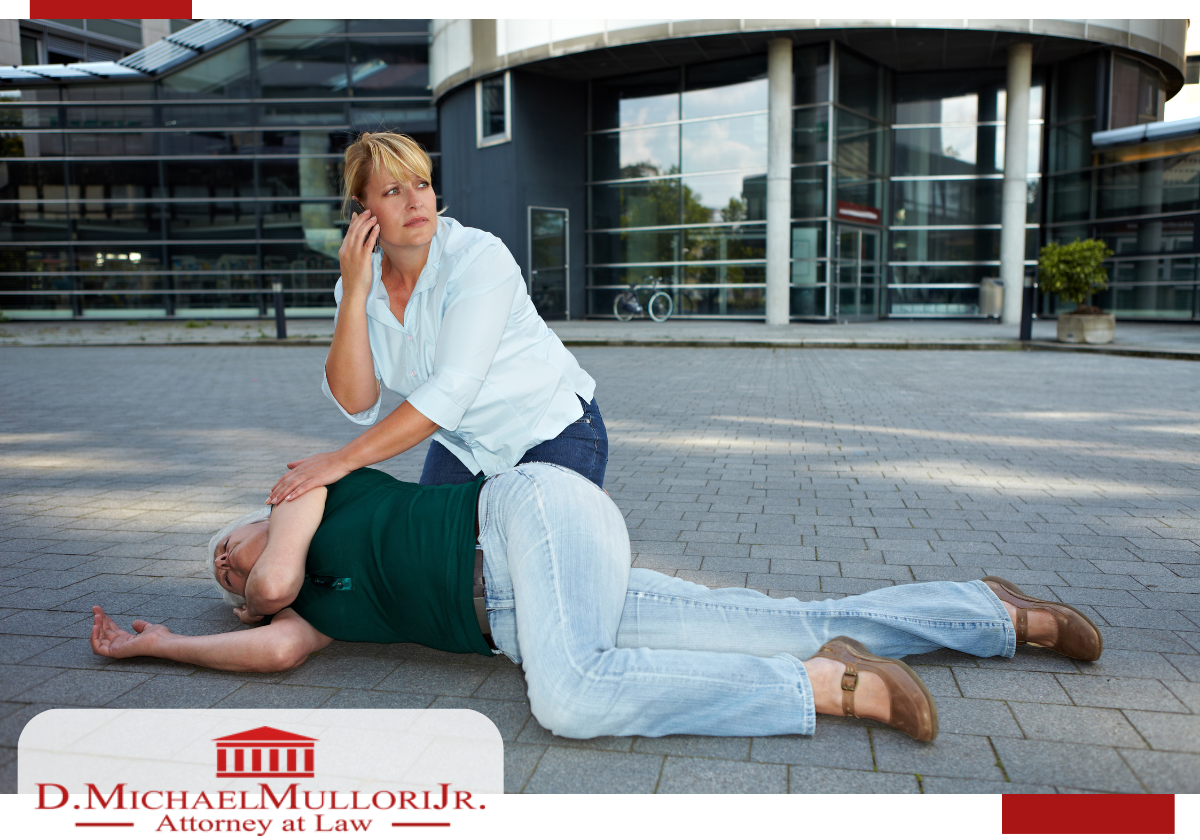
column 110, row 640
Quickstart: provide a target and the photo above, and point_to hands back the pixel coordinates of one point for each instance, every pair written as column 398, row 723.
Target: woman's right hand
column 354, row 256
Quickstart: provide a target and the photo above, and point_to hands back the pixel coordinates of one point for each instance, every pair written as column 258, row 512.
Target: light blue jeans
column 609, row 650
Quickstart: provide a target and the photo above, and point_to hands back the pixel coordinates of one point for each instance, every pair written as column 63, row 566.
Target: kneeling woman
column 606, row 650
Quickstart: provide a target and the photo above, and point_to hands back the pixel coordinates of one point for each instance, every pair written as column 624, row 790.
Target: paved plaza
column 809, row 472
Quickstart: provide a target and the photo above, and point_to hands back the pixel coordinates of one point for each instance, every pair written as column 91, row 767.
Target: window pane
column 389, row 25
column 810, row 135
column 954, row 202
column 407, row 118
column 290, row 67
column 1075, row 94
column 1137, row 94
column 300, row 177
column 1071, row 145
column 934, row 301
column 725, row 87
column 639, row 204
column 203, row 142
column 226, row 219
column 492, row 106
column 859, row 187
column 388, row 67
column 635, row 246
column 724, row 198
column 1153, row 186
column 740, row 243
column 960, row 150
column 810, row 66
column 298, row 141
column 738, row 143
column 953, row 245
column 1143, row 237
column 103, row 93
column 861, row 85
column 808, row 192
column 1070, row 197
column 122, row 116
column 193, row 115
column 635, row 100
column 635, row 153
column 123, row 29
column 961, row 96
column 225, row 74
column 861, row 143
column 33, row 260
column 110, row 145
column 302, row 113
column 204, row 179
column 292, row 219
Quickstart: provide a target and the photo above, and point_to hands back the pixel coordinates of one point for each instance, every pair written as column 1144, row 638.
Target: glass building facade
column 189, row 195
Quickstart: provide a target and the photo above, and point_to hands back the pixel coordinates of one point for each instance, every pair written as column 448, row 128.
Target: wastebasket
column 991, row 297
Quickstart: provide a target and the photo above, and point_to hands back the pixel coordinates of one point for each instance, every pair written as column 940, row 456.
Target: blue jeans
column 612, row 651
column 582, row 447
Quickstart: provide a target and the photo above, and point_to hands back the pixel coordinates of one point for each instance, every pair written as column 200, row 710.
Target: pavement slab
column 796, row 469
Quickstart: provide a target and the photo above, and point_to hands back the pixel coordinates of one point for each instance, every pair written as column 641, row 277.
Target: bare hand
column 246, row 616
column 354, row 256
column 110, row 640
column 319, row 470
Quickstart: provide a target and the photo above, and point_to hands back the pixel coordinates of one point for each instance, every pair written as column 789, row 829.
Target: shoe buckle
column 850, row 679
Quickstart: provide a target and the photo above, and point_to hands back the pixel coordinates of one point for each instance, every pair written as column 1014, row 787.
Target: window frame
column 482, row 141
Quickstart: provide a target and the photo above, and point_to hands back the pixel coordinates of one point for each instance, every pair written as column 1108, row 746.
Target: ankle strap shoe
column 1078, row 635
column 912, row 709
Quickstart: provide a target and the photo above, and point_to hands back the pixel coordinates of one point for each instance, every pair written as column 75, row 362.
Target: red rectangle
column 128, row 9
column 1083, row 813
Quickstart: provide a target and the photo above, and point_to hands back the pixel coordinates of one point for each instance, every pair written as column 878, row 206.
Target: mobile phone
column 356, row 207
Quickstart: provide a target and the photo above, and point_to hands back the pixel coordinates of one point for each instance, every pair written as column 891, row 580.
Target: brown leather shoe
column 1078, row 636
column 912, row 708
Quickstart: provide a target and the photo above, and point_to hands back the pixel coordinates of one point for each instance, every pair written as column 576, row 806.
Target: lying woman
column 606, row 649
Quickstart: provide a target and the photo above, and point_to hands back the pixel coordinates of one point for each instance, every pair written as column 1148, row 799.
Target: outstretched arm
column 284, row 643
column 276, row 578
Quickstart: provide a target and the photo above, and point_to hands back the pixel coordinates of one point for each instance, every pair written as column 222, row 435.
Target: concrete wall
column 463, row 49
column 481, row 187
column 154, row 31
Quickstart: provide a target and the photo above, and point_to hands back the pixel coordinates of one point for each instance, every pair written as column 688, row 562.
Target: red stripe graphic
column 136, row 9
column 1082, row 813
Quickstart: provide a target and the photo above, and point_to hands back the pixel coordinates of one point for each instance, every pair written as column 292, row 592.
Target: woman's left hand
column 319, row 470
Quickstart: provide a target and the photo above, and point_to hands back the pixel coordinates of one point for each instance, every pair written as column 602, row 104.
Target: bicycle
column 657, row 309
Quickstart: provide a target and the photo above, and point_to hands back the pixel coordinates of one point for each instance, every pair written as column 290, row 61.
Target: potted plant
column 1074, row 272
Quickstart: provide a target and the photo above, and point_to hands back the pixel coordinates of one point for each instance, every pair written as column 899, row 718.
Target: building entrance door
column 857, row 295
column 549, row 262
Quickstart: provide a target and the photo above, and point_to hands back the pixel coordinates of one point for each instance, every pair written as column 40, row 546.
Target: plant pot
column 1086, row 329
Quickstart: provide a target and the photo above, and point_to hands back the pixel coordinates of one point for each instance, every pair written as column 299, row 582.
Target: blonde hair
column 232, row 598
column 383, row 151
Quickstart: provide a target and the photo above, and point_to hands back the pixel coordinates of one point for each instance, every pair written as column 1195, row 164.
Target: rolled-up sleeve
column 477, row 308
column 363, row 418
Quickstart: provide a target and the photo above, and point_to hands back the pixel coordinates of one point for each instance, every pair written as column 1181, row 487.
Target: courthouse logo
column 265, row 753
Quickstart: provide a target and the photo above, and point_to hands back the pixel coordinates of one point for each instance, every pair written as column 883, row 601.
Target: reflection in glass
column 1137, row 237
column 954, row 202
column 635, row 246
column 861, row 143
column 810, row 134
column 226, row 74
column 1070, row 197
column 960, row 150
column 738, row 143
column 1153, row 186
column 635, row 100
column 810, row 66
column 808, row 303
column 386, row 67
column 732, row 197
column 808, row 192
column 859, row 187
column 1137, row 93
column 725, row 243
column 1071, row 145
column 1075, row 89
column 635, row 153
column 861, row 85
column 295, row 67
column 638, row 204
column 953, row 245
column 934, row 301
column 725, row 87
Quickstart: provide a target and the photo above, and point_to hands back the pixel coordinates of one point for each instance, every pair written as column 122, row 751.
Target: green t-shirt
column 393, row 562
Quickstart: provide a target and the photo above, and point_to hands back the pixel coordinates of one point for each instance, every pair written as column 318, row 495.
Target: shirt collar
column 378, row 300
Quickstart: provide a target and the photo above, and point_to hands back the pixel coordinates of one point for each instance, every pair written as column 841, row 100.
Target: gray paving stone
column 938, row 784
column 804, row 779
column 510, row 717
column 990, row 684
column 337, row 672
column 273, row 696
column 168, row 691
column 1165, row 772
column 833, row 744
column 960, row 756
column 81, row 688
column 361, row 698
column 1173, row 733
column 1078, row 725
column 708, row 775
column 1120, row 693
column 520, row 760
column 534, row 733
column 695, row 746
column 564, row 770
column 428, row 678
column 1072, row 765
column 961, row 716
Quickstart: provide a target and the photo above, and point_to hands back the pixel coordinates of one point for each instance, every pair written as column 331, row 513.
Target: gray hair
column 232, row 598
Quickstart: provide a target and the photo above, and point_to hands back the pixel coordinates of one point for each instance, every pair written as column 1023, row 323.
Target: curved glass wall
column 947, row 189
column 1142, row 199
column 190, row 195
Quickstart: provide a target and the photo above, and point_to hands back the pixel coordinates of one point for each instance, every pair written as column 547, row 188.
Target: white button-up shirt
column 472, row 354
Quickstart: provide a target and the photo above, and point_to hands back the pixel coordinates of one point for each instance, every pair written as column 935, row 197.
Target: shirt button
column 414, row 373
column 410, row 338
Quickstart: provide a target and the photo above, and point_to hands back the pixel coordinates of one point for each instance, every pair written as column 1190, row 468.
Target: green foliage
column 1074, row 271
column 4, row 318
